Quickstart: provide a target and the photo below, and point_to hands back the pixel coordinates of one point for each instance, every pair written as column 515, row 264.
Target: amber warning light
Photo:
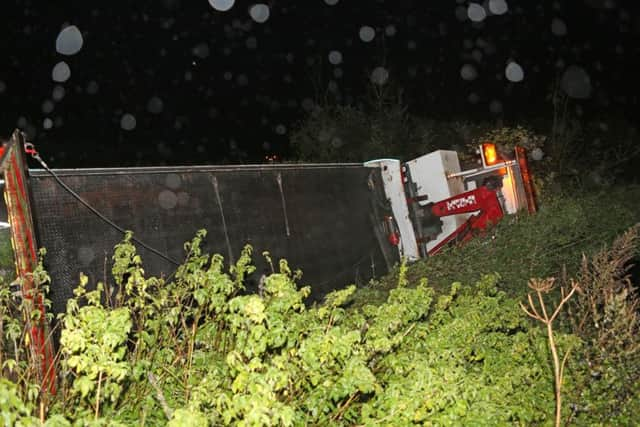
column 489, row 154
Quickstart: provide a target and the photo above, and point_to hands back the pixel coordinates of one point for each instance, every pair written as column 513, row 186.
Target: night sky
column 185, row 82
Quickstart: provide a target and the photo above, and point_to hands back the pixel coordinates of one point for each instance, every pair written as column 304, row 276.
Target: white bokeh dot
column 69, row 41
column 167, row 199
column 61, row 72
column 58, row 93
column 128, row 122
column 514, row 72
column 576, row 82
column 379, row 75
column 498, row 7
column 476, row 12
column 367, row 33
column 155, row 105
column 558, row 27
column 335, row 57
column 468, row 72
column 222, row 5
column 259, row 12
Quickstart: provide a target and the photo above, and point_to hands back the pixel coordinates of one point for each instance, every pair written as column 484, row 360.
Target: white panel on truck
column 429, row 173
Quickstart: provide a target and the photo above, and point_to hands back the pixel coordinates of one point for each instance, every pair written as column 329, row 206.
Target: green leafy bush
column 197, row 350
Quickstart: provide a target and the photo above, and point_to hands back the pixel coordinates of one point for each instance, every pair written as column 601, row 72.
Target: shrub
column 198, row 349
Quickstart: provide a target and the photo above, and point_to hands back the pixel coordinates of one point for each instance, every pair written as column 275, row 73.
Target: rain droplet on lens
column 514, row 72
column 69, row 41
column 61, row 72
column 128, row 122
column 259, row 12
column 558, row 27
column 167, row 199
column 47, row 106
column 379, row 76
column 92, row 87
column 367, row 33
column 201, row 50
column 495, row 106
column 58, row 93
column 221, row 5
column 576, row 82
column 155, row 105
column 335, row 57
column 498, row 7
column 173, row 181
column 468, row 72
column 476, row 12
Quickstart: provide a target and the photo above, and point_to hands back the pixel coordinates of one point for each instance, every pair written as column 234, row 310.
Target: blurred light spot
column 47, row 123
column 495, row 106
column 92, row 87
column 337, row 142
column 576, row 82
column 201, row 50
column 3, row 87
column 167, row 199
column 537, row 154
column 47, row 106
column 58, row 93
column 331, row 2
column 498, row 7
column 514, row 72
column 222, row 5
column 468, row 72
column 379, row 75
column 259, row 13
column 69, row 41
column 473, row 98
column 367, row 33
column 227, row 75
column 61, row 72
column 242, row 80
column 476, row 12
column 338, row 73
column 477, row 55
column 411, row 45
column 251, row 43
column 173, row 181
column 281, row 129
column 390, row 30
column 155, row 105
column 128, row 122
column 85, row 255
column 335, row 57
column 558, row 27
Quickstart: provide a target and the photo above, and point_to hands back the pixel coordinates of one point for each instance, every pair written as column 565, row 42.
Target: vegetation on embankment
column 548, row 244
column 197, row 350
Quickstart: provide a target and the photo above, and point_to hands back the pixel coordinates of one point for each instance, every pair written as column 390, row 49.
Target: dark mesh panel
column 321, row 221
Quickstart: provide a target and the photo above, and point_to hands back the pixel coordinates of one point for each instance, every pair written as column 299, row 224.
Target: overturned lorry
column 338, row 223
